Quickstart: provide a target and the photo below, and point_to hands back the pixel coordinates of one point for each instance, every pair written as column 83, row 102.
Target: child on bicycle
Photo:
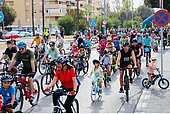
column 82, row 53
column 8, row 94
column 74, row 52
column 106, row 62
column 151, row 68
column 98, row 74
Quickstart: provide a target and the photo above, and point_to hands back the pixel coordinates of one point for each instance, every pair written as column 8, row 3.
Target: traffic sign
column 1, row 16
column 93, row 23
column 104, row 22
column 161, row 18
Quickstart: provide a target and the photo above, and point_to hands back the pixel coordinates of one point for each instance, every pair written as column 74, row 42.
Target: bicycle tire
column 126, row 87
column 77, row 69
column 46, row 77
column 144, row 83
column 127, row 95
column 87, row 66
column 37, row 91
column 39, row 68
column 93, row 94
column 4, row 67
column 20, row 99
column 63, row 51
column 163, row 80
column 77, row 106
column 146, row 59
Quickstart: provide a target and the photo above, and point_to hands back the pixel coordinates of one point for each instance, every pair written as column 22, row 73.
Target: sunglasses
column 21, row 48
column 51, row 46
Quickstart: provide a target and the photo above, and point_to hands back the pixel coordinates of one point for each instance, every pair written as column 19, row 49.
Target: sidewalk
column 155, row 99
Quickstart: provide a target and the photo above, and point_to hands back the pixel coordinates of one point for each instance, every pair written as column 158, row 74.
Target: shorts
column 14, row 105
column 97, row 78
column 28, row 70
column 124, row 65
column 149, row 74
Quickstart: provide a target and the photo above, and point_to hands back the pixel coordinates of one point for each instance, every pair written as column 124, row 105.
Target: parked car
column 25, row 34
column 12, row 34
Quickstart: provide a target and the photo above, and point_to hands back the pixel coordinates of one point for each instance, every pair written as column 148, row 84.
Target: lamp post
column 105, row 15
column 43, row 17
column 132, row 15
column 77, row 15
column 33, row 31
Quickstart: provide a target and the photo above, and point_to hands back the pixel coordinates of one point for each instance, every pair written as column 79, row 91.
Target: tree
column 156, row 4
column 144, row 12
column 88, row 10
column 68, row 23
column 126, row 7
column 9, row 15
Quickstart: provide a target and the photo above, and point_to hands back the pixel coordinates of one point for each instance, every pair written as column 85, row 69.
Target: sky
column 137, row 3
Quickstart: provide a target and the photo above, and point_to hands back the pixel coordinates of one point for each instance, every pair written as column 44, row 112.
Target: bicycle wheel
column 163, row 83
column 45, row 81
column 75, row 106
column 77, row 69
column 126, row 87
column 144, row 83
column 105, row 80
column 93, row 94
column 147, row 59
column 85, row 67
column 19, row 96
column 63, row 51
column 4, row 67
column 36, row 92
column 42, row 68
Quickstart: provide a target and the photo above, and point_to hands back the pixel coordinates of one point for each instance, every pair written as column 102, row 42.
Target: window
column 40, row 3
column 28, row 20
column 27, row 3
column 27, row 11
column 81, row 5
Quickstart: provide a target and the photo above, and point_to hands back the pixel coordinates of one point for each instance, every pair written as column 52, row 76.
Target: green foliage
column 68, row 23
column 9, row 15
column 144, row 12
column 129, row 23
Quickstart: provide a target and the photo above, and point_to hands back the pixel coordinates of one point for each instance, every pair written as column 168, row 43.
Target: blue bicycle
column 95, row 94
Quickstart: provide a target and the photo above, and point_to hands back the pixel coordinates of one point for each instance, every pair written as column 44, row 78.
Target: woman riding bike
column 66, row 74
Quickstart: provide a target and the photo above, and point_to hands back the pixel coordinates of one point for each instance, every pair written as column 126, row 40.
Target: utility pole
column 43, row 17
column 105, row 8
column 33, row 31
column 132, row 15
column 77, row 15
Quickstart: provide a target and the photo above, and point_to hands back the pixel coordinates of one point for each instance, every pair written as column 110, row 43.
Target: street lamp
column 43, row 17
column 33, row 18
column 105, row 15
column 77, row 15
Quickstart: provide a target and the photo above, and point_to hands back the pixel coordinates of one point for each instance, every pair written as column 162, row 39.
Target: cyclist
column 151, row 68
column 88, row 42
column 124, row 58
column 14, row 43
column 10, row 51
column 42, row 48
column 147, row 44
column 82, row 53
column 117, row 43
column 8, row 93
column 110, row 45
column 102, row 45
column 53, row 52
column 74, row 52
column 106, row 62
column 137, row 50
column 37, row 40
column 29, row 64
column 80, row 41
column 97, row 71
column 59, row 43
column 66, row 74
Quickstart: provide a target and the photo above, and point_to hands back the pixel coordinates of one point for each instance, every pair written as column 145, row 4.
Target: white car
column 25, row 34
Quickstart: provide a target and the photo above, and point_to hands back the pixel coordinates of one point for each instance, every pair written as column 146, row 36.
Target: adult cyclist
column 66, row 74
column 29, row 64
column 124, row 58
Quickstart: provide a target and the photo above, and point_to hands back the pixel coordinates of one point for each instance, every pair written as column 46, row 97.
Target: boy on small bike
column 98, row 74
column 106, row 62
column 8, row 93
column 82, row 53
column 150, row 72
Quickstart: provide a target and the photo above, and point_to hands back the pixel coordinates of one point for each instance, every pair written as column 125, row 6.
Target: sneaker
column 147, row 86
column 131, row 80
column 109, row 78
column 31, row 99
column 55, row 110
column 121, row 90
column 100, row 92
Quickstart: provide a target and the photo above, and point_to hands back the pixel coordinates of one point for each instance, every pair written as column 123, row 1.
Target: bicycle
column 5, row 65
column 80, row 65
column 95, row 94
column 161, row 83
column 126, row 83
column 61, row 92
column 47, row 78
column 88, row 52
column 147, row 51
column 106, row 77
column 23, row 89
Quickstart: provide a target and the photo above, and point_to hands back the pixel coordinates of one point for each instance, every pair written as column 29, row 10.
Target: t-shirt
column 66, row 77
column 7, row 94
column 147, row 41
column 103, row 43
column 125, row 57
column 139, row 39
column 43, row 48
column 10, row 52
column 150, row 68
column 88, row 43
column 53, row 54
column 135, row 49
column 37, row 40
column 117, row 44
column 97, row 72
column 26, row 58
column 106, row 60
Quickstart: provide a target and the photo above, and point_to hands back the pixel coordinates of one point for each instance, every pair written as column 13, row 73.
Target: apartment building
column 53, row 10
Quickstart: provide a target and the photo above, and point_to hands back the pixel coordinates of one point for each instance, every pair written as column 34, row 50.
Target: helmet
column 74, row 46
column 13, row 40
column 62, row 59
column 6, row 78
column 109, row 39
column 124, row 34
column 153, row 58
column 147, row 33
column 52, row 43
column 125, row 44
column 21, row 44
column 96, row 61
column 37, row 34
column 106, row 51
column 134, row 40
